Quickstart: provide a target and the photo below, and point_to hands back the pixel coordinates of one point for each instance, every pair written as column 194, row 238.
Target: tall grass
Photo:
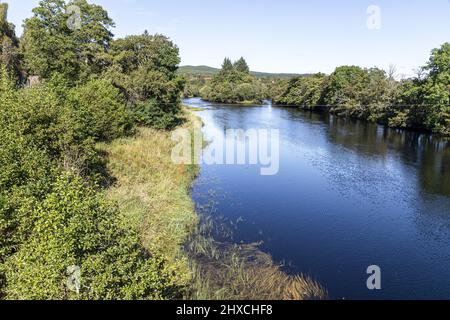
column 226, row 271
column 154, row 195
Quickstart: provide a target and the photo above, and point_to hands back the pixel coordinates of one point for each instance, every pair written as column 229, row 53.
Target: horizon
column 358, row 33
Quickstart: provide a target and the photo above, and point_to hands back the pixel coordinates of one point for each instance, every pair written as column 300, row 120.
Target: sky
column 291, row 36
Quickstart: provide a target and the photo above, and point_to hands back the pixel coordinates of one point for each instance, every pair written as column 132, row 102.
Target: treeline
column 63, row 90
column 234, row 84
column 421, row 103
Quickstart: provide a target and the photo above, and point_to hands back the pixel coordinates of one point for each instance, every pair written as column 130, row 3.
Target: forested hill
column 206, row 71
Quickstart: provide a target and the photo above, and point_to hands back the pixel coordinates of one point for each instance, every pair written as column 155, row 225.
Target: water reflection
column 428, row 153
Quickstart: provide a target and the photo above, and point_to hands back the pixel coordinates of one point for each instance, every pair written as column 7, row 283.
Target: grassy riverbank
column 154, row 196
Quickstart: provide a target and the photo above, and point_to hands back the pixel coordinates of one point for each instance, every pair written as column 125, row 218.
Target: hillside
column 210, row 71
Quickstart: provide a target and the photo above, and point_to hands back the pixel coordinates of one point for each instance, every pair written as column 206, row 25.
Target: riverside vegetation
column 419, row 103
column 234, row 84
column 86, row 178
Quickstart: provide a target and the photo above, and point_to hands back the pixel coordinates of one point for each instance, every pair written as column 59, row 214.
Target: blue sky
column 284, row 35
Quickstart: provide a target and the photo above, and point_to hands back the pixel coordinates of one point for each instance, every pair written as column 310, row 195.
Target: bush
column 157, row 116
column 100, row 111
column 74, row 226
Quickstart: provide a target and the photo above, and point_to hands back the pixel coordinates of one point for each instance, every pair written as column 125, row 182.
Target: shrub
column 74, row 226
column 155, row 115
column 234, row 84
column 100, row 111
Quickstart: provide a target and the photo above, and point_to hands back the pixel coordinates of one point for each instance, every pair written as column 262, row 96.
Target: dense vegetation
column 87, row 88
column 234, row 84
column 421, row 103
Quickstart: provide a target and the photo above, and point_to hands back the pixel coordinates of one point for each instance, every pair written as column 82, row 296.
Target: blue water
column 349, row 194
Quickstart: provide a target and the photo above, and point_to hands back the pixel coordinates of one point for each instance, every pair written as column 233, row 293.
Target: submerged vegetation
column 226, row 271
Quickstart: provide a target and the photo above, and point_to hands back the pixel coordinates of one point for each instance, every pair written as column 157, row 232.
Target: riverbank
column 154, row 196
column 326, row 110
column 244, row 103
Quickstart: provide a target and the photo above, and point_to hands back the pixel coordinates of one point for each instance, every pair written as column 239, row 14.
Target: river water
column 348, row 195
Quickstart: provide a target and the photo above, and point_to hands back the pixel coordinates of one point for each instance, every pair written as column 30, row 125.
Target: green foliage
column 205, row 72
column 302, row 91
column 421, row 103
column 47, row 119
column 426, row 100
column 100, row 111
column 51, row 213
column 436, row 91
column 361, row 93
column 144, row 68
column 25, row 176
column 193, row 86
column 153, row 114
column 154, row 52
column 227, row 66
column 9, row 53
column 241, row 66
column 234, row 84
column 75, row 227
column 344, row 89
column 50, row 46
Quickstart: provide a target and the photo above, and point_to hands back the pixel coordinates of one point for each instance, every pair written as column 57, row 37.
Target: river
column 349, row 194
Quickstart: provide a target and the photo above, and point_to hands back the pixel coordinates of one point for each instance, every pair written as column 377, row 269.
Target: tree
column 144, row 68
column 152, row 52
column 426, row 98
column 9, row 55
column 343, row 90
column 51, row 45
column 105, row 119
column 74, row 226
column 234, row 84
column 227, row 66
column 302, row 91
column 436, row 90
column 241, row 66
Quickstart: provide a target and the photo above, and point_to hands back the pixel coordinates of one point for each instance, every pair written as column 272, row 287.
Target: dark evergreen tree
column 242, row 66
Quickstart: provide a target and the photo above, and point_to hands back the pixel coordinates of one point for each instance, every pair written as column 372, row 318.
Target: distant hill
column 206, row 71
column 198, row 70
